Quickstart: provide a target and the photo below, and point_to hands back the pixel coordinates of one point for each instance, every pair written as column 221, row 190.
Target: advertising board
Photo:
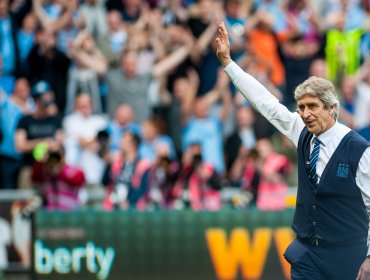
column 173, row 245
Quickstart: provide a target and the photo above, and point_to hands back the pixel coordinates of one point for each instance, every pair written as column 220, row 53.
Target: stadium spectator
column 355, row 97
column 345, row 15
column 198, row 185
column 243, row 136
column 153, row 137
column 126, row 85
column 145, row 39
column 274, row 169
column 83, row 146
column 61, row 185
column 172, row 37
column 205, row 127
column 48, row 63
column 274, row 8
column 245, row 175
column 162, row 177
column 38, row 127
column 264, row 46
column 346, row 24
column 130, row 176
column 262, row 128
column 348, row 96
column 26, row 40
column 362, row 81
column 300, row 42
column 84, row 75
column 203, row 25
column 235, row 22
column 181, row 106
column 12, row 108
column 122, row 122
column 112, row 43
column 318, row 68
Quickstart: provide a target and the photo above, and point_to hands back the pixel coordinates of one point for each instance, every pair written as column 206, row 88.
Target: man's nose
column 306, row 113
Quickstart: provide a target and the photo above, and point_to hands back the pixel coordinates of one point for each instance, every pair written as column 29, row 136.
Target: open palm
column 223, row 45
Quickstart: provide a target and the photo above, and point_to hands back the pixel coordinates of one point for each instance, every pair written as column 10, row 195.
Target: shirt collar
column 328, row 135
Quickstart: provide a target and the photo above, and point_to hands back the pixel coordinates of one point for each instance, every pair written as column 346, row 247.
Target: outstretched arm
column 288, row 123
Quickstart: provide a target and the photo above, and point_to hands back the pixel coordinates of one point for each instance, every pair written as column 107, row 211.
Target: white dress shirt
column 291, row 125
column 76, row 127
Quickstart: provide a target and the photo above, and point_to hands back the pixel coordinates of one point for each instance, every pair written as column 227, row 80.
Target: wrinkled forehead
column 308, row 99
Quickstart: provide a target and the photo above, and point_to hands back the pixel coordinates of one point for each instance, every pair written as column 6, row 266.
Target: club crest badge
column 343, row 170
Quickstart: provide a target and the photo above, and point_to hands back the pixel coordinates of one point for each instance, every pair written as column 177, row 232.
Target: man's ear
column 331, row 110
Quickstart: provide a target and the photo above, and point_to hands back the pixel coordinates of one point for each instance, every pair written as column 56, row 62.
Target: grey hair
column 321, row 88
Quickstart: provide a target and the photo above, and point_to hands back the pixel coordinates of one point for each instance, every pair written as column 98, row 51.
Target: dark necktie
column 313, row 161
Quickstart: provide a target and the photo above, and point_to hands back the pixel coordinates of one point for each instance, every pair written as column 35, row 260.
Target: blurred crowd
column 128, row 96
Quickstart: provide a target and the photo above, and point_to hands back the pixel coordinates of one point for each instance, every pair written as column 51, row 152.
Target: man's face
column 22, row 89
column 114, row 21
column 124, row 115
column 83, row 105
column 316, row 117
column 47, row 100
column 129, row 64
column 201, row 108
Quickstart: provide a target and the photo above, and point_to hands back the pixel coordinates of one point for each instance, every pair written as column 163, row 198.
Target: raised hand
column 223, row 45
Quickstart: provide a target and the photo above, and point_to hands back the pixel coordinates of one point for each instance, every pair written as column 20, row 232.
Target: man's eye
column 312, row 106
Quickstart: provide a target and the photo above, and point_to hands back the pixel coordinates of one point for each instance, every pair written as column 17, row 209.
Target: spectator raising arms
column 126, row 85
column 90, row 64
